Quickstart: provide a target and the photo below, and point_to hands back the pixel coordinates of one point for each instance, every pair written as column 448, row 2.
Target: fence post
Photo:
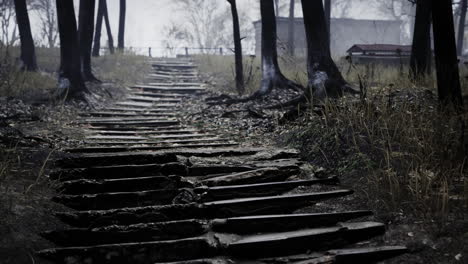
column 149, row 52
column 186, row 51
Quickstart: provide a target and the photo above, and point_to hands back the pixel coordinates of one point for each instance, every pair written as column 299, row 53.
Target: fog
column 147, row 21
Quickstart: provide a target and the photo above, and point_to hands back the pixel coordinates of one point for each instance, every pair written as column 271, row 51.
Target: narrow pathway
column 147, row 189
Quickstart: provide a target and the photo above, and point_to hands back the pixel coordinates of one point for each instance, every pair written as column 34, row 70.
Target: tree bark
column 121, row 37
column 28, row 53
column 271, row 73
column 70, row 62
column 98, row 31
column 328, row 18
column 324, row 77
column 291, row 28
column 461, row 27
column 448, row 77
column 86, row 32
column 237, row 48
column 421, row 52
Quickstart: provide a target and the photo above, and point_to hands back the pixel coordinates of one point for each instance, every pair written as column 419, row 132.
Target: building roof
column 379, row 48
column 301, row 20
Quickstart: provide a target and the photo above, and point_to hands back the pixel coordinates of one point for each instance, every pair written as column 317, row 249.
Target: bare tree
column 325, row 80
column 328, row 8
column 9, row 33
column 207, row 25
column 448, row 76
column 421, row 53
column 461, row 26
column 71, row 82
column 28, row 53
column 271, row 73
column 86, row 32
column 398, row 10
column 47, row 14
column 121, row 36
column 102, row 15
column 237, row 48
column 291, row 28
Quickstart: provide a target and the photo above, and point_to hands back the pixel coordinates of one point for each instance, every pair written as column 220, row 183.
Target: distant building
column 345, row 32
column 380, row 53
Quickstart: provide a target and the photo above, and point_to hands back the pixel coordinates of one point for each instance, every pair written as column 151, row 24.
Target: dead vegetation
column 402, row 153
column 119, row 68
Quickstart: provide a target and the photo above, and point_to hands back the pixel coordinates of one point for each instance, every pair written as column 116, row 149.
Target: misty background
column 168, row 26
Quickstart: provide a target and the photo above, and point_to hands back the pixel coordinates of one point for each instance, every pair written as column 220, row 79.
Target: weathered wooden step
column 144, row 146
column 257, row 189
column 137, row 128
column 150, row 136
column 120, row 171
column 191, row 228
column 174, row 66
column 135, row 253
column 122, row 119
column 188, row 89
column 160, row 95
column 274, row 244
column 301, row 241
column 153, row 99
column 92, row 186
column 357, row 255
column 148, row 123
column 153, row 109
column 147, row 105
column 166, row 195
column 262, row 175
column 127, row 234
column 105, row 159
column 144, row 132
column 125, row 114
column 218, row 209
column 148, row 157
column 103, row 201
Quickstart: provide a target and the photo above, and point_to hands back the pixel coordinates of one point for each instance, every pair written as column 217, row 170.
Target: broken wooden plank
column 256, row 189
column 144, row 146
column 218, row 209
column 129, row 158
column 253, row 176
column 120, row 171
column 94, row 186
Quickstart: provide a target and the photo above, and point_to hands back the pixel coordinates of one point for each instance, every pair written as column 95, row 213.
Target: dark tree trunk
column 271, row 74
column 28, row 53
column 445, row 49
column 70, row 62
column 97, row 35
column 108, row 28
column 121, row 37
column 237, row 48
column 421, row 53
column 328, row 18
column 86, row 32
column 324, row 77
column 291, row 28
column 461, row 27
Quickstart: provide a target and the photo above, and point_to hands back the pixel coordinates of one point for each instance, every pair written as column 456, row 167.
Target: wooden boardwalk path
column 145, row 188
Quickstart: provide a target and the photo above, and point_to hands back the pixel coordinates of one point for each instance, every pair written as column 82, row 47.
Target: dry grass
column 220, row 70
column 119, row 68
column 397, row 147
